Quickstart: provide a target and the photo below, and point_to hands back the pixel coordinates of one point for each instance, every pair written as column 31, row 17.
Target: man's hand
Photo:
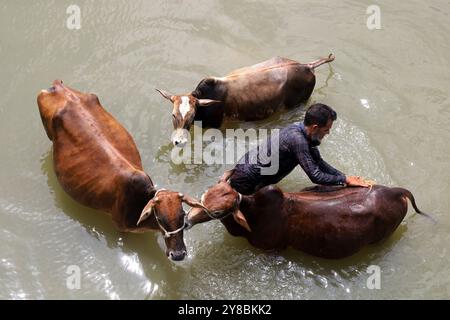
column 356, row 181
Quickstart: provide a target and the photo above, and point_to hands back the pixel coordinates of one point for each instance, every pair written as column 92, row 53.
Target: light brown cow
column 329, row 222
column 250, row 93
column 97, row 163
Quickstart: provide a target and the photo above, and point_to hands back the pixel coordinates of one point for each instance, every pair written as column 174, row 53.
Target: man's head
column 318, row 121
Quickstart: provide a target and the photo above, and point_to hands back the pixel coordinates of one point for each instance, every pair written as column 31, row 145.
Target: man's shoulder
column 293, row 135
column 297, row 126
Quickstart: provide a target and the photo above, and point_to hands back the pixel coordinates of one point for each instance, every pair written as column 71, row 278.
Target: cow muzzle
column 177, row 255
column 180, row 138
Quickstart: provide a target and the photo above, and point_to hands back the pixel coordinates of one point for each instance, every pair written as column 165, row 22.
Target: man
column 297, row 146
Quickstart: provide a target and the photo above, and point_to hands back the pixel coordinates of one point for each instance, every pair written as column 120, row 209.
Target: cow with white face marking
column 248, row 94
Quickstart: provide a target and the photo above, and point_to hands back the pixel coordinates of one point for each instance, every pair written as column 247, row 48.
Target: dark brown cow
column 251, row 93
column 329, row 222
column 97, row 163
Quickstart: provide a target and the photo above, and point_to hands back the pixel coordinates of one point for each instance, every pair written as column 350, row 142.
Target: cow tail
column 409, row 195
column 321, row 61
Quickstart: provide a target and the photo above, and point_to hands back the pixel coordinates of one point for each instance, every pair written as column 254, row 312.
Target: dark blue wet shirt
column 294, row 149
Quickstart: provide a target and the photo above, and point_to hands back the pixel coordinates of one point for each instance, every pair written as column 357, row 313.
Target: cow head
column 58, row 95
column 167, row 210
column 183, row 113
column 218, row 202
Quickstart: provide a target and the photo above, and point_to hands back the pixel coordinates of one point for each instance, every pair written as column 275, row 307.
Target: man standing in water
column 298, row 145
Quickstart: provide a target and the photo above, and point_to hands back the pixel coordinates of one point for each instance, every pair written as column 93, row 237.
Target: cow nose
column 177, row 255
column 179, row 143
column 57, row 83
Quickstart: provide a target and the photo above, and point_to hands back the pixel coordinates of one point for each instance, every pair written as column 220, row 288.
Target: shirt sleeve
column 323, row 165
column 318, row 171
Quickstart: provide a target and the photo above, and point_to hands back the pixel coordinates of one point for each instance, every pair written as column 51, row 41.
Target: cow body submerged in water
column 248, row 94
column 329, row 222
column 97, row 163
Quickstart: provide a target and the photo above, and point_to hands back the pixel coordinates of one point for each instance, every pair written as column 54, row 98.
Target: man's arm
column 323, row 165
column 318, row 174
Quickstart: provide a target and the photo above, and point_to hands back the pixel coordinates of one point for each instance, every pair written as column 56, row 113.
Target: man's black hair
column 319, row 114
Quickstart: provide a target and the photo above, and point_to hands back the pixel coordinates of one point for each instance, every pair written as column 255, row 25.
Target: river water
column 390, row 87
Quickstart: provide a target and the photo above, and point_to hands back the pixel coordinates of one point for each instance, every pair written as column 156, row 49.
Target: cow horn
column 146, row 212
column 165, row 94
column 207, row 102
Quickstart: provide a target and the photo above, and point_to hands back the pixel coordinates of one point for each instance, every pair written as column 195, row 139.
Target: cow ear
column 192, row 202
column 146, row 212
column 207, row 102
column 240, row 219
column 165, row 94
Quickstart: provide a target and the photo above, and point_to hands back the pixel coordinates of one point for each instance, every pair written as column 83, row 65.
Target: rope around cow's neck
column 168, row 234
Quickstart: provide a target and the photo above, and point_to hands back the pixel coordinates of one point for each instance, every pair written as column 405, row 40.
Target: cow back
column 93, row 153
column 260, row 90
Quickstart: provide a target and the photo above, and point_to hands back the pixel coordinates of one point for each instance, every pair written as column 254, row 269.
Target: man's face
column 318, row 133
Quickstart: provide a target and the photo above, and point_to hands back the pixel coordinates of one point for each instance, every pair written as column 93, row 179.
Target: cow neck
column 245, row 205
column 237, row 205
column 249, row 208
column 219, row 92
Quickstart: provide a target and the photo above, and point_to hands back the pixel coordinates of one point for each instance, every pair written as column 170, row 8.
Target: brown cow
column 97, row 163
column 250, row 93
column 329, row 222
